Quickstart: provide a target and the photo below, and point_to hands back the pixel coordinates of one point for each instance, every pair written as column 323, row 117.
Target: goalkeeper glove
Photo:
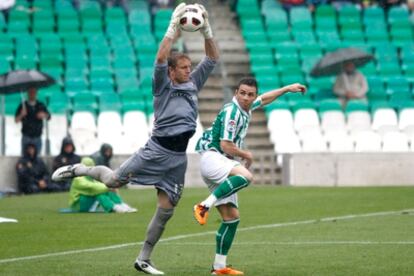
column 175, row 21
column 206, row 29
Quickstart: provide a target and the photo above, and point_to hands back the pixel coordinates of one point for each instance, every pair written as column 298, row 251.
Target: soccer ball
column 192, row 19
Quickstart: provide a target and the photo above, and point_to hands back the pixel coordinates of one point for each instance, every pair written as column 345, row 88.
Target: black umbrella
column 22, row 80
column 331, row 63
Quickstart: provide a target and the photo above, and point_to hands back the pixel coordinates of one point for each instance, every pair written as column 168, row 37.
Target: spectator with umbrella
column 350, row 83
column 31, row 113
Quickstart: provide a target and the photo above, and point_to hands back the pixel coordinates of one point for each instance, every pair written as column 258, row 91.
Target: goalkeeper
column 224, row 176
column 162, row 162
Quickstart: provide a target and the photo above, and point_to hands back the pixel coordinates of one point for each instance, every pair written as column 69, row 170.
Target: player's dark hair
column 175, row 57
column 249, row 82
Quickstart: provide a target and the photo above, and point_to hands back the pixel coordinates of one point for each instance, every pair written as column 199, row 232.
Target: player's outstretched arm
column 272, row 95
column 171, row 33
column 209, row 44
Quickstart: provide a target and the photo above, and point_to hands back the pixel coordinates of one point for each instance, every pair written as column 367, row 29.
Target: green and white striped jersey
column 231, row 124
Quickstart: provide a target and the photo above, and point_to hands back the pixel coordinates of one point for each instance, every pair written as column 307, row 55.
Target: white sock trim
column 220, row 261
column 209, row 201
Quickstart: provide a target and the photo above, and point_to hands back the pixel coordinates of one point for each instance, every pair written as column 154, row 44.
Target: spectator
column 32, row 113
column 5, row 6
column 103, row 156
column 87, row 194
column 387, row 4
column 410, row 5
column 288, row 4
column 338, row 4
column 350, row 84
column 67, row 156
column 32, row 173
column 112, row 3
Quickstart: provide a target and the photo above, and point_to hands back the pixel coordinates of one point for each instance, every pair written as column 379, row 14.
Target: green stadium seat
column 125, row 83
column 134, row 105
column 376, row 35
column 18, row 28
column 368, row 69
column 47, row 92
column 91, row 26
column 303, row 36
column 397, row 14
column 375, row 105
column 90, row 9
column 102, row 84
column 349, row 17
column 276, row 20
column 373, row 16
column 59, row 103
column 43, row 25
column 356, row 105
column 248, row 8
column 352, row 36
column 398, row 85
column 11, row 103
column 99, row 62
column 303, row 103
column 5, row 65
column 321, row 86
column 84, row 102
column 75, row 85
column 25, row 62
column 276, row 105
column 329, row 105
column 376, row 89
column 109, row 102
column 300, row 17
column 409, row 74
column 3, row 23
column 328, row 40
column 68, row 26
column 115, row 14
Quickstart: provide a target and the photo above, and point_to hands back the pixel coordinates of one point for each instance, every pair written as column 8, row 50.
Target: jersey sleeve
column 202, row 71
column 256, row 104
column 160, row 78
column 229, row 124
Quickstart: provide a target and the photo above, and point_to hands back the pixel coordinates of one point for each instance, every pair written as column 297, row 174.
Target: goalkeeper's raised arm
column 209, row 44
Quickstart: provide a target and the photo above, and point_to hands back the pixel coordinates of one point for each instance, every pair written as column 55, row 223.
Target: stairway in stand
column 233, row 65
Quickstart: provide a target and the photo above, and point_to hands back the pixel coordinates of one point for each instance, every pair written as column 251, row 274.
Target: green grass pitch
column 283, row 231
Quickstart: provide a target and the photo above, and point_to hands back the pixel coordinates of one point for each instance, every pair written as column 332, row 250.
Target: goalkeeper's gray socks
column 228, row 187
column 154, row 231
column 100, row 173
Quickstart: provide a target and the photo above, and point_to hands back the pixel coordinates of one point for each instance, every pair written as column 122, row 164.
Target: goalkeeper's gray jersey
column 176, row 106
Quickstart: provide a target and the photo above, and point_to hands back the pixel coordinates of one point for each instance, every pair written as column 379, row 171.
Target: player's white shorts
column 215, row 168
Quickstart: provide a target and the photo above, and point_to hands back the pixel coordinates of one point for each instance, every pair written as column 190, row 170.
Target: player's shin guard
column 230, row 186
column 224, row 239
column 154, row 231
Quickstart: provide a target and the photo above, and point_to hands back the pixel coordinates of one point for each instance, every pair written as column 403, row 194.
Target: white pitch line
column 180, row 237
column 300, row 243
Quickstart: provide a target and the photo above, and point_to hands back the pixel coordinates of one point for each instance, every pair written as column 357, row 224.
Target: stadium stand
column 102, row 60
column 308, row 38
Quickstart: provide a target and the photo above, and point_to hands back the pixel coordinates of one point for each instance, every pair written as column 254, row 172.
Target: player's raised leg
column 239, row 178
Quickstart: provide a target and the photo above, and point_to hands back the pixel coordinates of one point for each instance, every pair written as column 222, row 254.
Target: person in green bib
column 87, row 195
column 219, row 147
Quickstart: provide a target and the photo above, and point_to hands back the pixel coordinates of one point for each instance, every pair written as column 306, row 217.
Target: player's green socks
column 230, row 186
column 224, row 238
